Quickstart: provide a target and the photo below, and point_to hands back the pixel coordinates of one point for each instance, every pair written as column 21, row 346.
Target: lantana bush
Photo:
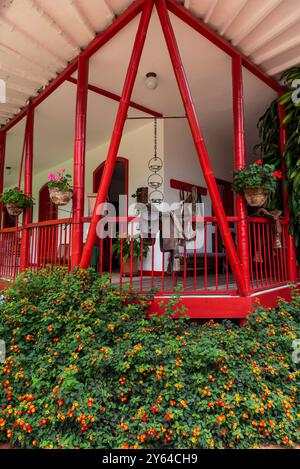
column 86, row 368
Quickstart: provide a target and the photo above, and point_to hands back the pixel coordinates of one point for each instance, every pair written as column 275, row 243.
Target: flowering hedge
column 86, row 369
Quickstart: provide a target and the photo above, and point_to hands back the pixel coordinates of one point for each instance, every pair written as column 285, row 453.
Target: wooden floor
column 168, row 284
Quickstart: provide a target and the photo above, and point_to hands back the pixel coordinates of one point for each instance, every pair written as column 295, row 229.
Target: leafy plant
column 85, row 368
column 256, row 175
column 125, row 246
column 61, row 181
column 17, row 197
column 269, row 134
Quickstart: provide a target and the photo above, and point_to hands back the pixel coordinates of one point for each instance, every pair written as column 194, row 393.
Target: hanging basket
column 13, row 209
column 255, row 197
column 60, row 197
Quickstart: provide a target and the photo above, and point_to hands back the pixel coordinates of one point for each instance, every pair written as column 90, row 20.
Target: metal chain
column 155, row 138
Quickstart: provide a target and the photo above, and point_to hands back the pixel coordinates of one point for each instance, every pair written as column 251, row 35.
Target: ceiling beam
column 19, row 89
column 231, row 18
column 82, row 18
column 20, row 56
column 53, row 24
column 284, row 66
column 210, row 11
column 280, row 49
column 255, row 20
column 14, row 27
column 221, row 42
column 19, row 73
column 11, row 106
column 100, row 40
column 269, row 34
column 116, row 97
column 15, row 101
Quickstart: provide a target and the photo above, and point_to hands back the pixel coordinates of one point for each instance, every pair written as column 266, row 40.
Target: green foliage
column 16, row 196
column 255, row 176
column 125, row 245
column 269, row 134
column 86, row 368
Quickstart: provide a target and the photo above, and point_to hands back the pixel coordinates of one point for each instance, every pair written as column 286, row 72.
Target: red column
column 240, row 163
column 27, row 216
column 291, row 251
column 2, row 164
column 200, row 145
column 79, row 161
column 118, row 128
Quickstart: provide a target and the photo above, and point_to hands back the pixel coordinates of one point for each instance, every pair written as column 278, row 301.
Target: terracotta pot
column 255, row 197
column 13, row 209
column 126, row 267
column 60, row 197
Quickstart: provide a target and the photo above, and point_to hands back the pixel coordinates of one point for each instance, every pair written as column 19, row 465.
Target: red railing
column 49, row 243
column 10, row 242
column 202, row 267
column 267, row 253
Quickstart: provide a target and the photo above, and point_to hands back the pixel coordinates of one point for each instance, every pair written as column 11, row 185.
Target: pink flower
column 58, row 178
column 60, row 171
column 51, row 177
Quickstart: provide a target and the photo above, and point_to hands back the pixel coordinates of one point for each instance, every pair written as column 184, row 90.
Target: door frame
column 119, row 159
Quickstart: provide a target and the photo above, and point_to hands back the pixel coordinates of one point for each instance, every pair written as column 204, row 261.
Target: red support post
column 118, row 128
column 200, row 145
column 27, row 216
column 291, row 250
column 79, row 161
column 240, row 163
column 2, row 164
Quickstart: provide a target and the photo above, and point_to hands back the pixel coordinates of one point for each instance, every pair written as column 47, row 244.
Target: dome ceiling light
column 151, row 81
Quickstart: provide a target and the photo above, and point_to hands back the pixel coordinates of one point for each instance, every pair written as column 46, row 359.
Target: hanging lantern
column 155, row 180
column 156, row 197
column 155, row 164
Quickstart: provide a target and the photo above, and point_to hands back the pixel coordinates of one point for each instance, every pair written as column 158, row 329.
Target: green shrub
column 85, row 368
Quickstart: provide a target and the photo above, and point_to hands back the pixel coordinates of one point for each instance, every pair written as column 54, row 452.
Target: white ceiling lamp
column 151, row 81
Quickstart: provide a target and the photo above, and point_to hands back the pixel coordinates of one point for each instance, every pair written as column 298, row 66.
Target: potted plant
column 16, row 201
column 256, row 181
column 60, row 190
column 125, row 247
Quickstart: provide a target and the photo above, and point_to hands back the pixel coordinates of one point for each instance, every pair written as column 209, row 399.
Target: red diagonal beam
column 220, row 42
column 118, row 128
column 200, row 144
column 132, row 11
column 116, row 97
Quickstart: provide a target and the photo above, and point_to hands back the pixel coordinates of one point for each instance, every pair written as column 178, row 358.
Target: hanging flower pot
column 16, row 201
column 256, row 181
column 255, row 197
column 13, row 209
column 59, row 197
column 60, row 191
